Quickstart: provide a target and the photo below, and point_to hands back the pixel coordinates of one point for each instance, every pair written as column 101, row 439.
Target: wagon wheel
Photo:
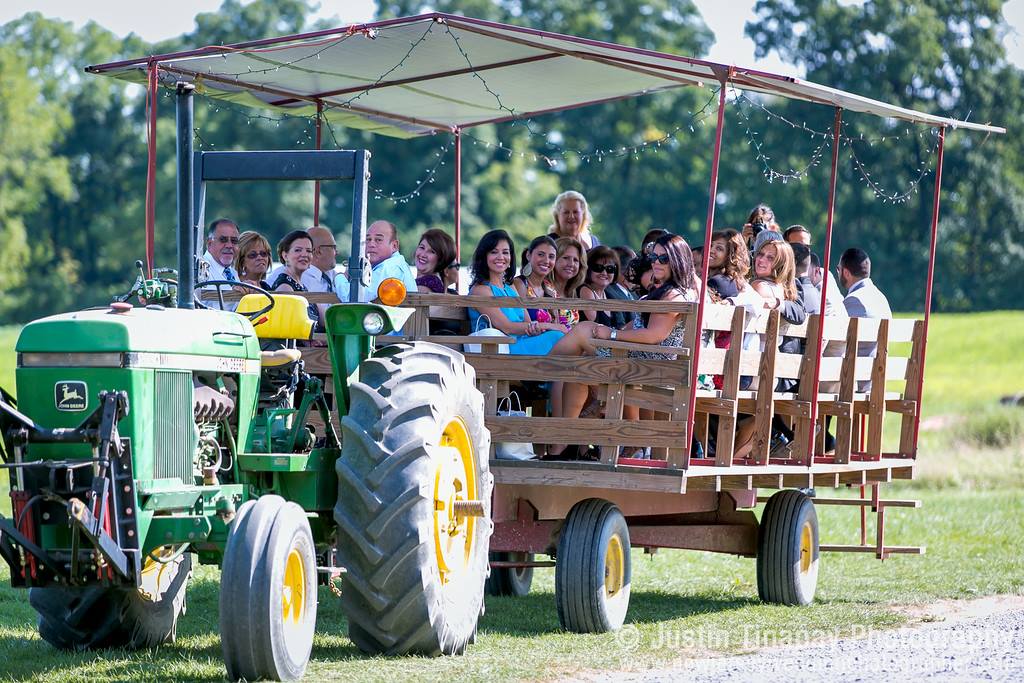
column 592, row 568
column 787, row 550
column 510, row 581
column 88, row 618
column 414, row 499
column 268, row 592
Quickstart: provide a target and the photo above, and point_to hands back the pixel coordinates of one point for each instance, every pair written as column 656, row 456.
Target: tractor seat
column 277, row 357
column 288, row 319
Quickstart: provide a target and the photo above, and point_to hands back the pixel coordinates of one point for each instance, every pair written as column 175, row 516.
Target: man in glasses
column 218, row 261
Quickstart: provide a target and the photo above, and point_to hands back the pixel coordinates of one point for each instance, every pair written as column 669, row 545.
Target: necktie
column 328, row 282
column 229, row 276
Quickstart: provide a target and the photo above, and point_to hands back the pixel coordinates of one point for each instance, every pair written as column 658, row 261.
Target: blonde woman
column 572, row 218
column 253, row 259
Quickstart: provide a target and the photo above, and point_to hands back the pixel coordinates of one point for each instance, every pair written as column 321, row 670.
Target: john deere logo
column 70, row 396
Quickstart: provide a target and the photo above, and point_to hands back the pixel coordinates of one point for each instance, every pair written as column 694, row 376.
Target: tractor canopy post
column 186, row 234
column 357, row 261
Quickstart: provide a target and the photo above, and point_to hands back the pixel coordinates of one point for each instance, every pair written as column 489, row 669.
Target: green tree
column 944, row 57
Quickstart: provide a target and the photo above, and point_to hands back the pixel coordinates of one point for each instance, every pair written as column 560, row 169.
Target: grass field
column 687, row 603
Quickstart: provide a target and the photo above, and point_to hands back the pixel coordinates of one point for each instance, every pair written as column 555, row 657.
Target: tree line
column 73, row 162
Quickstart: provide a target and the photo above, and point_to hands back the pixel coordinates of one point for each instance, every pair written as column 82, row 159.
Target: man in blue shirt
column 386, row 260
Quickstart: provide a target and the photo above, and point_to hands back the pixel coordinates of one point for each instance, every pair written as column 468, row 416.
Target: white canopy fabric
column 440, row 72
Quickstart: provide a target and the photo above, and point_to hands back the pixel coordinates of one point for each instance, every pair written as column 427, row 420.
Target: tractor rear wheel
column 510, row 581
column 414, row 500
column 134, row 618
column 787, row 550
column 592, row 568
column 268, row 592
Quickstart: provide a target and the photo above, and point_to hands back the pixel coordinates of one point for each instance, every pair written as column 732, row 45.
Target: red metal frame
column 153, row 78
column 836, row 130
column 458, row 193
column 931, row 277
column 712, row 196
column 316, row 183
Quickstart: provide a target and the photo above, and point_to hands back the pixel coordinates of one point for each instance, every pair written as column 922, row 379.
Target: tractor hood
column 143, row 330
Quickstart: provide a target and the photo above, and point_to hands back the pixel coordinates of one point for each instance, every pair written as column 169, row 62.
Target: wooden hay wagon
column 462, row 72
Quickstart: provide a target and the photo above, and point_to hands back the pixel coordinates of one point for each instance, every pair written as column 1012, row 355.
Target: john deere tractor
column 147, row 438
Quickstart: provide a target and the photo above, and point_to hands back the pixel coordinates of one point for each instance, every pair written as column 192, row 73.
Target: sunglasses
column 224, row 239
column 658, row 258
column 257, row 254
column 610, row 269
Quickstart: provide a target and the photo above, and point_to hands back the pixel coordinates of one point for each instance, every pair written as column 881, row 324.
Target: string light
column 880, row 193
column 768, row 172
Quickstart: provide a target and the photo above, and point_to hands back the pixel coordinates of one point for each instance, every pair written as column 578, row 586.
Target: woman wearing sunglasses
column 253, row 259
column 602, row 273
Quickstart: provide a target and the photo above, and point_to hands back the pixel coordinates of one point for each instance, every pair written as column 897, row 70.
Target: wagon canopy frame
column 420, row 75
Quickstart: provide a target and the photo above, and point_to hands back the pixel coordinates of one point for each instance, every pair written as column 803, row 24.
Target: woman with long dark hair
column 434, row 253
column 676, row 280
column 492, row 269
column 602, row 273
column 534, row 279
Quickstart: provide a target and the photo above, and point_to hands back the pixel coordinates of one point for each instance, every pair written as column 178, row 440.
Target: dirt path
column 952, row 640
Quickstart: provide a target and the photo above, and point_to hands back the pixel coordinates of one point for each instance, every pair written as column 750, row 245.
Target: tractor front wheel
column 414, row 500
column 268, row 592
column 134, row 618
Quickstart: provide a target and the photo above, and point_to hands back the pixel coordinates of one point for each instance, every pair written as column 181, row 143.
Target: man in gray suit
column 863, row 299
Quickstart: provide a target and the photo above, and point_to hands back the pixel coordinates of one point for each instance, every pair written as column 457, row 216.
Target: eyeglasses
column 333, row 247
column 224, row 239
column 658, row 258
column 257, row 254
column 608, row 268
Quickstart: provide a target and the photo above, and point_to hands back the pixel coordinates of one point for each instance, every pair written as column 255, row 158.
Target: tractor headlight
column 373, row 323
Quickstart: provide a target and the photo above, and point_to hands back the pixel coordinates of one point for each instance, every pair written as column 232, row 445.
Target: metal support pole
column 316, row 183
column 836, row 130
column 931, row 277
column 708, row 225
column 357, row 262
column 458, row 193
column 186, row 233
column 152, row 84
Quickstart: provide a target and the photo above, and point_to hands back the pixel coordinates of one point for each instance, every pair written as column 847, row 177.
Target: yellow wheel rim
column 806, row 548
column 614, row 567
column 454, row 481
column 293, row 588
column 156, row 576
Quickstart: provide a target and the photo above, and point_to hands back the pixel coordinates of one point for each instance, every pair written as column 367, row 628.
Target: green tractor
column 148, row 438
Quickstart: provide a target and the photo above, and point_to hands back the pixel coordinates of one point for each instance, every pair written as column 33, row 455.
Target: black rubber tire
column 257, row 639
column 782, row 577
column 392, row 593
column 95, row 618
column 581, row 595
column 509, row 581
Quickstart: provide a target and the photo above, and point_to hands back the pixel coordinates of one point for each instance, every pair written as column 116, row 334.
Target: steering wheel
column 255, row 315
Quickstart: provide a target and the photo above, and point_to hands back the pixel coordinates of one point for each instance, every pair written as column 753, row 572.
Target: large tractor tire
column 787, row 550
column 414, row 501
column 133, row 618
column 268, row 592
column 510, row 581
column 592, row 568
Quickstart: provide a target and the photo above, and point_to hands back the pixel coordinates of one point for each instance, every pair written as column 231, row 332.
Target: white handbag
column 513, row 450
column 484, row 332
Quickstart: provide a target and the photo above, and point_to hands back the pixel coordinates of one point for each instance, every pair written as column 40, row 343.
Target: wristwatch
column 613, row 334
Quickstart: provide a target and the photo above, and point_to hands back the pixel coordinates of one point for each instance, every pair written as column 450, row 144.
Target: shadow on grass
column 535, row 614
column 195, row 656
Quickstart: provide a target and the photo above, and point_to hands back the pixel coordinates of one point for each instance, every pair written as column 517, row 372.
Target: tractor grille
column 175, row 433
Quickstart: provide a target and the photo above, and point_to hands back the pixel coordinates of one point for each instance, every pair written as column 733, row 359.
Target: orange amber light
column 391, row 292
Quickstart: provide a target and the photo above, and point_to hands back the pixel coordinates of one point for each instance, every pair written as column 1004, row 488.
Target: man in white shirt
column 221, row 246
column 386, row 261
column 834, row 298
column 863, row 299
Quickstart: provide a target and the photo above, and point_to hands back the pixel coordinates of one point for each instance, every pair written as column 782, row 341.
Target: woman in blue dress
column 493, row 269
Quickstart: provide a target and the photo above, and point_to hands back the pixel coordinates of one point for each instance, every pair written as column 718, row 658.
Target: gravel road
column 978, row 640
